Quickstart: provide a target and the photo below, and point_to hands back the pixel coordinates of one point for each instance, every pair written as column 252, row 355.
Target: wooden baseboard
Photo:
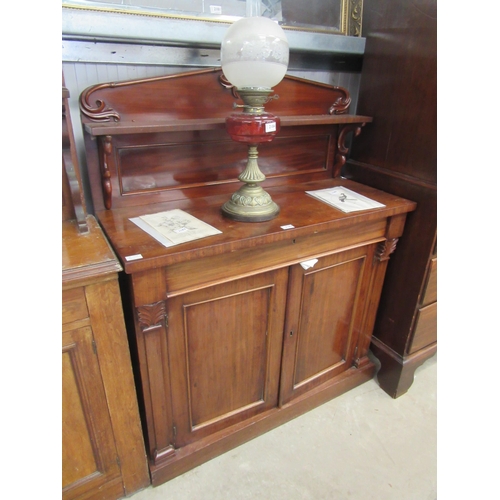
column 191, row 456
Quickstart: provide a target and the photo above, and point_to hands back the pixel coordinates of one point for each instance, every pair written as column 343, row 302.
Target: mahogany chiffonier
column 232, row 334
column 103, row 453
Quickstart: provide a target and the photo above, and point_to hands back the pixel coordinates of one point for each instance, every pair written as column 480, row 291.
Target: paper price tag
column 307, row 264
column 271, row 127
column 133, row 257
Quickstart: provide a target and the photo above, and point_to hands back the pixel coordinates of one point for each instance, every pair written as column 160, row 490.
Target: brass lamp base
column 252, row 127
column 251, row 203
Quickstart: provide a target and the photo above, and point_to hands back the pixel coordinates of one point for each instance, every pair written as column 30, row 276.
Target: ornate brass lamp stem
column 251, row 203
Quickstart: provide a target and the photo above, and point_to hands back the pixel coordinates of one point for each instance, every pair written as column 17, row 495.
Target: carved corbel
column 385, row 249
column 151, row 320
column 342, row 148
column 107, row 150
column 151, row 316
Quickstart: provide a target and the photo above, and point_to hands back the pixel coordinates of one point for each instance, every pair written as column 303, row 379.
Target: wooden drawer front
column 430, row 294
column 219, row 268
column 74, row 305
column 426, row 328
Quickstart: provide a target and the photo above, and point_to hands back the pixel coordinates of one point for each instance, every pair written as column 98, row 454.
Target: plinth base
column 250, row 204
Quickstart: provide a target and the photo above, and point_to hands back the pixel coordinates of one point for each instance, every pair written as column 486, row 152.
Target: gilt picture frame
column 340, row 17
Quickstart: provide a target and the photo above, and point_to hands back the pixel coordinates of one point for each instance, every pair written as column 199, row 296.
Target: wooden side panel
column 89, row 455
column 108, row 325
column 73, row 202
column 225, row 353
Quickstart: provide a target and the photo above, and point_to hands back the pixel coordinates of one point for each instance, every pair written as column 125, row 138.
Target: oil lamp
column 254, row 58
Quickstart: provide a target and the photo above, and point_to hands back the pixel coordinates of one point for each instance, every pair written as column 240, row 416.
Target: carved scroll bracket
column 151, row 316
column 98, row 112
column 342, row 147
column 385, row 249
column 342, row 103
column 106, row 152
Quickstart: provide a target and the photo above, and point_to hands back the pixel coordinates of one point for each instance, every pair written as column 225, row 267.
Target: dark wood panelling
column 399, row 88
column 398, row 154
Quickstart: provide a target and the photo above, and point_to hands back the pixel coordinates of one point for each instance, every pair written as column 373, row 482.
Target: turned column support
column 106, row 155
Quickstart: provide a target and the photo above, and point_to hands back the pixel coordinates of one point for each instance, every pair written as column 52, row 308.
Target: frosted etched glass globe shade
column 254, row 53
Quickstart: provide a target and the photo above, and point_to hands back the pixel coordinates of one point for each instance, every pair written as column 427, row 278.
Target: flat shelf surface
column 307, row 215
column 86, row 255
column 140, row 125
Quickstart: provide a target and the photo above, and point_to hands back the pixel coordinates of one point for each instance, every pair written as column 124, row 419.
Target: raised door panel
column 89, row 459
column 324, row 318
column 225, row 353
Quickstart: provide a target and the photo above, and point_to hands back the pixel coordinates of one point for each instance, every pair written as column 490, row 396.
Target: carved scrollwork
column 151, row 316
column 251, row 201
column 385, row 249
column 97, row 111
column 355, row 17
column 342, row 147
column 341, row 104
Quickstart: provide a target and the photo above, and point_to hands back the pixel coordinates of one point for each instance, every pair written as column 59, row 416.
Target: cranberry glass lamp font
column 254, row 57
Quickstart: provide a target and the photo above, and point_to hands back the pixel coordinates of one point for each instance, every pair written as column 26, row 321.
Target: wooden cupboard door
column 324, row 316
column 225, row 345
column 89, row 458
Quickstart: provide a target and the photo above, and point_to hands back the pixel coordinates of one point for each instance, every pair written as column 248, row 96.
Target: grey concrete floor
column 361, row 445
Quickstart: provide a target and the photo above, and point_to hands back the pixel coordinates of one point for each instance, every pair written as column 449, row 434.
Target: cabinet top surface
column 306, row 214
column 86, row 255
